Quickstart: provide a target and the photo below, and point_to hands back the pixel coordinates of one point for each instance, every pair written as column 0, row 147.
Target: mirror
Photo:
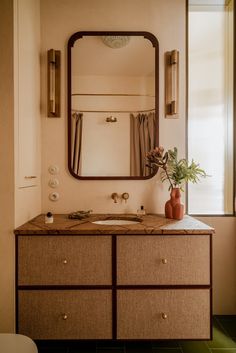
column 112, row 104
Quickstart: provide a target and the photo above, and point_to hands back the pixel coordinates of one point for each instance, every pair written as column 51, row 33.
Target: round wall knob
column 53, row 169
column 65, row 262
column 65, row 317
column 164, row 316
column 53, row 182
column 54, row 196
column 164, row 261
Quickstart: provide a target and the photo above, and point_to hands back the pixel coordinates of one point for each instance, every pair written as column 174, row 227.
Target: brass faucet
column 114, row 197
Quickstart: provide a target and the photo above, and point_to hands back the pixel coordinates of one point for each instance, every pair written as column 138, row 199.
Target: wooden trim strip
column 16, row 285
column 122, row 287
column 114, row 291
column 23, row 233
column 62, row 287
column 74, row 341
column 211, row 294
column 163, row 286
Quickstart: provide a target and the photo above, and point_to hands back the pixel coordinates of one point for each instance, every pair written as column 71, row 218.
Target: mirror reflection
column 113, row 105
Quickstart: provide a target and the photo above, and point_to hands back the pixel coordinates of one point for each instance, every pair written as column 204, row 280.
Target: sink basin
column 118, row 221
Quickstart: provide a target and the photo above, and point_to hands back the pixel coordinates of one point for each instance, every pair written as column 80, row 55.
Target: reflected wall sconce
column 54, row 83
column 172, row 84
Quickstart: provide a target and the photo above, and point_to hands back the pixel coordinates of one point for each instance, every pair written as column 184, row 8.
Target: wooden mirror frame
column 71, row 41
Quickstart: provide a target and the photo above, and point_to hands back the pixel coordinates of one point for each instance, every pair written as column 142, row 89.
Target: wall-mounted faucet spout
column 114, row 197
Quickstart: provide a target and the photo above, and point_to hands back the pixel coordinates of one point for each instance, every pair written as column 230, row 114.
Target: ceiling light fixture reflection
column 116, row 42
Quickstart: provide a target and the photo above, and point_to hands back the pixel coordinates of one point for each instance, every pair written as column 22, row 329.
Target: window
column 210, row 114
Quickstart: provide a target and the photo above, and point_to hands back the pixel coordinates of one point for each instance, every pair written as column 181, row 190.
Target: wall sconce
column 172, row 84
column 54, row 78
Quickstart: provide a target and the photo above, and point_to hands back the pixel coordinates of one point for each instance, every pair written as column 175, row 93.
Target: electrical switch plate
column 53, row 169
column 53, row 182
column 54, row 196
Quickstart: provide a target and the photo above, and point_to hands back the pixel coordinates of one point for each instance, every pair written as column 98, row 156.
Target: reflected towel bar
column 113, row 94
column 113, row 111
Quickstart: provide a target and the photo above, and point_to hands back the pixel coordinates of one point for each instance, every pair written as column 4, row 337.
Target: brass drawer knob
column 164, row 316
column 65, row 261
column 65, row 317
column 164, row 261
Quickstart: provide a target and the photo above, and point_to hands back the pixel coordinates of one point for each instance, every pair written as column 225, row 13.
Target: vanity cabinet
column 112, row 285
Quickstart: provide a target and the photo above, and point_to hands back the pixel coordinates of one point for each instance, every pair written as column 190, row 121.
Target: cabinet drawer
column 166, row 259
column 64, row 260
column 71, row 314
column 141, row 314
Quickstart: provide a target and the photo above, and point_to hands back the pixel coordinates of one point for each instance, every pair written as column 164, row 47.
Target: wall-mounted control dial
column 53, row 183
column 53, row 169
column 54, row 196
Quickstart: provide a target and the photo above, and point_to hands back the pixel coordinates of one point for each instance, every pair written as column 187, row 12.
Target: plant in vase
column 176, row 172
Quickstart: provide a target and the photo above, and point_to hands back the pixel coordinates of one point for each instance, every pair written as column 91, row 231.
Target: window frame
column 187, row 6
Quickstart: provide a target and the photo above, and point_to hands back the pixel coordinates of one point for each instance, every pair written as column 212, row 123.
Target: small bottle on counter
column 49, row 218
column 141, row 211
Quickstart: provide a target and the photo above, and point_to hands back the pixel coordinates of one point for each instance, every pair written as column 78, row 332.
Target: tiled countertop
column 150, row 224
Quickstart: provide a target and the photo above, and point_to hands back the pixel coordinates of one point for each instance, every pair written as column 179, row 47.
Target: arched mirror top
column 113, row 104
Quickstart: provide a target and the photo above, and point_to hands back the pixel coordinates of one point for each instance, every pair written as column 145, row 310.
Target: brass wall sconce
column 172, row 84
column 54, row 83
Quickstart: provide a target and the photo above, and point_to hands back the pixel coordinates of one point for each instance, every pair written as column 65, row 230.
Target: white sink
column 116, row 222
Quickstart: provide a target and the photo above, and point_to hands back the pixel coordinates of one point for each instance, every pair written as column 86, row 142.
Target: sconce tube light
column 52, row 71
column 54, row 63
column 172, row 83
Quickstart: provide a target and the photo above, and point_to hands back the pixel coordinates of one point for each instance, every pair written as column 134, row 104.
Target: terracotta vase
column 173, row 208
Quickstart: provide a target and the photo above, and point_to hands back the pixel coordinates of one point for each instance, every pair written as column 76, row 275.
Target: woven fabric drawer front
column 164, row 314
column 71, row 314
column 64, row 260
column 167, row 259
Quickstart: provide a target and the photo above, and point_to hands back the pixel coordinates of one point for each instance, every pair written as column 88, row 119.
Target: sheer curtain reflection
column 142, row 140
column 77, row 123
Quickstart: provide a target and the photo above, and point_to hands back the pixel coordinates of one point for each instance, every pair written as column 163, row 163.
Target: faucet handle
column 114, row 197
column 125, row 196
